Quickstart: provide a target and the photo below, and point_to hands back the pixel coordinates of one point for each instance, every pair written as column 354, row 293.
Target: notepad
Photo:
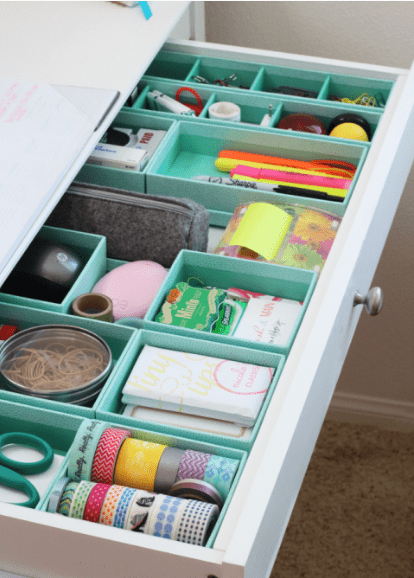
column 197, row 385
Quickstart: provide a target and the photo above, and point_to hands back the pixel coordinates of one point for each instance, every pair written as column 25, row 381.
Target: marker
column 283, row 189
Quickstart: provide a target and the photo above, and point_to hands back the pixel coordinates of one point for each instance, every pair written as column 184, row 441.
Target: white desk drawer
column 38, row 544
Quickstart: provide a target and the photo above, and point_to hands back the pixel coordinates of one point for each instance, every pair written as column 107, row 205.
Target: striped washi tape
column 220, row 473
column 66, row 500
column 83, row 449
column 106, row 455
column 110, row 504
column 95, row 502
column 165, row 517
column 193, row 465
column 123, row 507
column 196, row 522
column 80, row 498
column 56, row 495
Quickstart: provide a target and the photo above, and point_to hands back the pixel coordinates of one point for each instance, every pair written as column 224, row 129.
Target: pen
column 295, row 178
column 283, row 189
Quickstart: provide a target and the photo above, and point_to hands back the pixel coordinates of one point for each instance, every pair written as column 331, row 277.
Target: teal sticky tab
column 146, row 10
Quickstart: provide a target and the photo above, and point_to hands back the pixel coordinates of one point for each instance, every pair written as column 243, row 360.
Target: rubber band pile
column 114, row 479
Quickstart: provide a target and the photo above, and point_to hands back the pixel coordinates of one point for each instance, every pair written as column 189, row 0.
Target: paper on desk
column 41, row 132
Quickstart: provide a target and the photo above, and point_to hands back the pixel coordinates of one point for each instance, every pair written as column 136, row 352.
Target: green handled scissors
column 11, row 470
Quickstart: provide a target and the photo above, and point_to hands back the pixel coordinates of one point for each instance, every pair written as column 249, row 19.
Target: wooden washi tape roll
column 93, row 306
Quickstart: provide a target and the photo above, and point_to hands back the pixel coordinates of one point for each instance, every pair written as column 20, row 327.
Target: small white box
column 118, row 157
column 149, row 139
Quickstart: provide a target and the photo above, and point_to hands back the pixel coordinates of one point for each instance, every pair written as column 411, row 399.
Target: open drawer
column 39, row 544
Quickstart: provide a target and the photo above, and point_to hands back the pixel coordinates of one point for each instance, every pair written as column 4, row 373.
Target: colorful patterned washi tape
column 193, row 465
column 137, row 464
column 122, row 507
column 106, row 455
column 139, row 511
column 56, row 495
column 95, row 502
column 110, row 504
column 66, row 500
column 196, row 522
column 220, row 473
column 80, row 498
column 165, row 517
column 83, row 449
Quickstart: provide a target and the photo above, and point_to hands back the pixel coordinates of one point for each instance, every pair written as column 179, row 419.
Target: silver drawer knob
column 373, row 300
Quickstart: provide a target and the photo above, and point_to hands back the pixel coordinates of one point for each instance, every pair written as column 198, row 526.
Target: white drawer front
column 37, row 544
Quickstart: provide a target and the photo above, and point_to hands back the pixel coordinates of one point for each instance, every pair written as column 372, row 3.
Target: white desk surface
column 83, row 44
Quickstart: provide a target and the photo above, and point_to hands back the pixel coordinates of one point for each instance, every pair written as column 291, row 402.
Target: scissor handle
column 32, row 441
column 14, row 480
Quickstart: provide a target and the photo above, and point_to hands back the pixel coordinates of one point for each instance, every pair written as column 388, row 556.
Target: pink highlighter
column 290, row 177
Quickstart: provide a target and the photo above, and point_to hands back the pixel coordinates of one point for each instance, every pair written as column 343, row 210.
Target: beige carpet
column 354, row 516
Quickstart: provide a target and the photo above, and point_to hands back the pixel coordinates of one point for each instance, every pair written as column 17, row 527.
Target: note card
column 262, row 229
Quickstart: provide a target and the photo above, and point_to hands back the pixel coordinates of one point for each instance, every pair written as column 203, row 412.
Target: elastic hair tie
column 197, row 108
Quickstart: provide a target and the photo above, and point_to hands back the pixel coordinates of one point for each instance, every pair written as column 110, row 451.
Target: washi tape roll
column 225, row 111
column 193, row 465
column 137, row 464
column 220, row 473
column 83, row 449
column 165, row 517
column 66, row 500
column 106, row 455
column 122, row 507
column 93, row 306
column 196, row 490
column 139, row 511
column 110, row 504
column 95, row 502
column 197, row 522
column 167, row 470
column 56, row 495
column 80, row 498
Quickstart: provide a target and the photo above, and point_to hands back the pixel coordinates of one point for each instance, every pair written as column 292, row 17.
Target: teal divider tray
column 55, row 428
column 110, row 405
column 225, row 272
column 174, row 65
column 173, row 441
column 118, row 338
column 91, row 249
column 193, row 147
column 123, row 178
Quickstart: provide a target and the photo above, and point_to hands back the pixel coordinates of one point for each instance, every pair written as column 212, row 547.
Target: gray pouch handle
column 137, row 226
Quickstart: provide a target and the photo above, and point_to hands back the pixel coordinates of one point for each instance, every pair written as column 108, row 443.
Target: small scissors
column 11, row 470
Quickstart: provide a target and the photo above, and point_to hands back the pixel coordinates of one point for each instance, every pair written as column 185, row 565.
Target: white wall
column 380, row 363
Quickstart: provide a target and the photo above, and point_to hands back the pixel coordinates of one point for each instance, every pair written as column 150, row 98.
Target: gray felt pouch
column 137, row 226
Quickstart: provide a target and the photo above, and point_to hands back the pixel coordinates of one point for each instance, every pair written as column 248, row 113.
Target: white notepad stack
column 197, row 385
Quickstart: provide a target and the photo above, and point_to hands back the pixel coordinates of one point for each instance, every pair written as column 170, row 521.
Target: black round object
column 350, row 117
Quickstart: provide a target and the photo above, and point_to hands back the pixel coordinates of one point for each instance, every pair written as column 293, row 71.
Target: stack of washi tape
column 117, row 480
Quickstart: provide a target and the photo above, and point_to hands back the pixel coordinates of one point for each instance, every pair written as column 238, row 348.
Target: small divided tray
column 110, row 404
column 90, row 248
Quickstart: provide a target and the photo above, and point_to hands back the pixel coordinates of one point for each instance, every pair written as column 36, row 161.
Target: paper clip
column 200, row 79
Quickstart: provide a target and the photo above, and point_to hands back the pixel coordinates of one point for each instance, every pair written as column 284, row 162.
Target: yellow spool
column 137, row 464
column 349, row 130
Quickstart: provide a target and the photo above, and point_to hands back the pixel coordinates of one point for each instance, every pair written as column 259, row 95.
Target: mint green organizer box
column 124, row 178
column 252, row 107
column 225, row 272
column 110, row 403
column 258, row 77
column 92, row 248
column 174, row 441
column 118, row 338
column 57, row 429
column 192, row 148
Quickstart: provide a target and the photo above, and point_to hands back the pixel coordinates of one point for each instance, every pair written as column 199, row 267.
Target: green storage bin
column 174, row 65
column 117, row 337
column 173, row 441
column 225, row 272
column 124, row 178
column 92, row 250
column 193, row 147
column 110, row 404
column 221, row 69
column 352, row 87
column 274, row 77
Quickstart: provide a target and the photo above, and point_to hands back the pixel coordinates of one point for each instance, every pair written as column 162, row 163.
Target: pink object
column 290, row 177
column 132, row 287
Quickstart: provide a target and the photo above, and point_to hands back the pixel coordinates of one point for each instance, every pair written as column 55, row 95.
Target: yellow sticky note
column 262, row 229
